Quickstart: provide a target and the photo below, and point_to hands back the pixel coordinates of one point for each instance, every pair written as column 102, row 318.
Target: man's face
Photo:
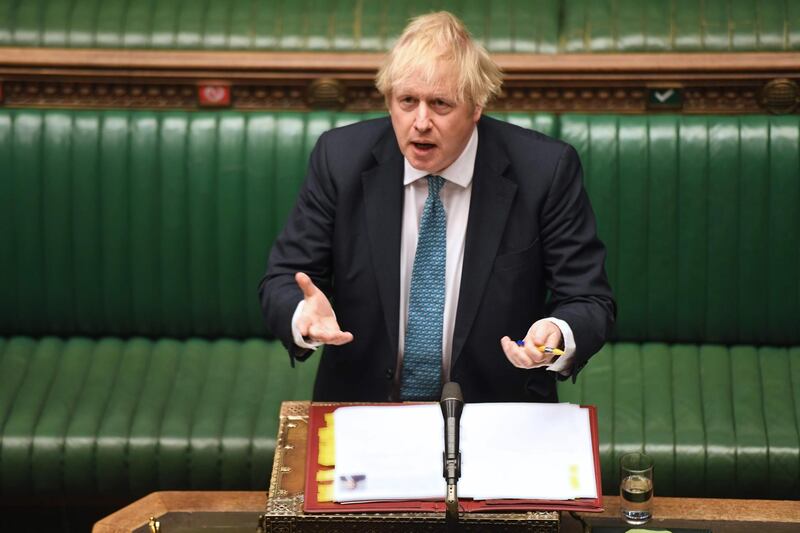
column 431, row 128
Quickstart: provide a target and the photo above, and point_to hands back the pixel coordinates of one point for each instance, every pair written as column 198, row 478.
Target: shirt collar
column 460, row 172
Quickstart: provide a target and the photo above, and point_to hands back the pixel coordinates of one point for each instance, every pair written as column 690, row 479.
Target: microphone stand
column 452, row 403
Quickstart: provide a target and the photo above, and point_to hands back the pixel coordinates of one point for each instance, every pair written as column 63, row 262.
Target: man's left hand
column 542, row 333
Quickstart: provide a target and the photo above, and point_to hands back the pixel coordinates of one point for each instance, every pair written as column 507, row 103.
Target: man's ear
column 476, row 115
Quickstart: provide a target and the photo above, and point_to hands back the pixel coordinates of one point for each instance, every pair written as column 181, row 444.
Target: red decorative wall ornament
column 214, row 95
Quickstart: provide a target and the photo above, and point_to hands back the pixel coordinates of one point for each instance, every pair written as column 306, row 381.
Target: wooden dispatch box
column 286, row 494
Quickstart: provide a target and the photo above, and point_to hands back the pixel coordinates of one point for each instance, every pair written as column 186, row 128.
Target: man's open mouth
column 423, row 146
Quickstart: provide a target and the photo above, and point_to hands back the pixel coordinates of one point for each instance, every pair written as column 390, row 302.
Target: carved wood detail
column 602, row 83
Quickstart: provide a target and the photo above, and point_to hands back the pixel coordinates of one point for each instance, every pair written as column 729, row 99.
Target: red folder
column 316, row 420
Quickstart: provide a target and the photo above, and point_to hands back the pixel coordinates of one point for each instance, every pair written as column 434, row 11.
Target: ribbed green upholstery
column 154, row 224
column 700, row 218
column 701, row 221
column 718, row 421
column 153, row 227
column 680, row 26
column 131, row 235
column 124, row 418
column 312, row 25
column 143, row 223
column 538, row 26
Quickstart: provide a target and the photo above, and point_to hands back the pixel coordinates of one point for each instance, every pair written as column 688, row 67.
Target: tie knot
column 435, row 184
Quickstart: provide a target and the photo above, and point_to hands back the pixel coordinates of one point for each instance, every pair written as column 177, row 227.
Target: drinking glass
column 636, row 488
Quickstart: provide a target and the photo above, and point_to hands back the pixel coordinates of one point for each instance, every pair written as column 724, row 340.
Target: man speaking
column 438, row 244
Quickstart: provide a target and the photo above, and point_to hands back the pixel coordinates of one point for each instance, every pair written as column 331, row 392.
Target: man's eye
column 440, row 104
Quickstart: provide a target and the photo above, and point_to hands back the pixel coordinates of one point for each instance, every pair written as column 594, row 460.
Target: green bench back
column 159, row 224
column 154, row 228
column 720, row 421
column 154, row 224
column 543, row 26
column 700, row 216
column 115, row 419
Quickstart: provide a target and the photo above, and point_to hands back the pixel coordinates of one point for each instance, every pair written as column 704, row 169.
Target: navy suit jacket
column 531, row 251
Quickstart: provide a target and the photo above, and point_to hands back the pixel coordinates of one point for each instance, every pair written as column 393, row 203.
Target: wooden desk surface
column 239, row 511
column 719, row 515
column 157, row 504
column 722, row 516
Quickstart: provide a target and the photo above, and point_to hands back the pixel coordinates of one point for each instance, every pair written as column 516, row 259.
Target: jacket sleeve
column 304, row 245
column 574, row 261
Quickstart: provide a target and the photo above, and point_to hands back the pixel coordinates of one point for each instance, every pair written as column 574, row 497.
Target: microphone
column 452, row 403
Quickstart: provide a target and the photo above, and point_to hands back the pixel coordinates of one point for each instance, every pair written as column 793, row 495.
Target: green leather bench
column 132, row 355
column 701, row 221
column 516, row 26
column 700, row 217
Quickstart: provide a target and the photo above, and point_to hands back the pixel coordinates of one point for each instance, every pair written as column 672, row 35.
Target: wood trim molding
column 620, row 83
column 723, row 516
column 627, row 65
column 135, row 516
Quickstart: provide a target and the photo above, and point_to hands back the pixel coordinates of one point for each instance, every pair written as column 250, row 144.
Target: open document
column 508, row 450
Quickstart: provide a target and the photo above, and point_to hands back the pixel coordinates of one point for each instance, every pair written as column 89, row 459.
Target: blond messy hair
column 425, row 43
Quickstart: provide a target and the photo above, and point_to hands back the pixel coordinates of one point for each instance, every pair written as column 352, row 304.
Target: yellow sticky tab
column 324, row 476
column 327, row 449
column 326, row 456
column 325, row 493
column 325, row 434
column 574, row 480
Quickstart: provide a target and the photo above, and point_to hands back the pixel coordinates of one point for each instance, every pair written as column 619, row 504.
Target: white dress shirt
column 455, row 196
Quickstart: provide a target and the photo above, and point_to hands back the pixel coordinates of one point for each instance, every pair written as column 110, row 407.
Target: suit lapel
column 492, row 195
column 490, row 205
column 383, row 200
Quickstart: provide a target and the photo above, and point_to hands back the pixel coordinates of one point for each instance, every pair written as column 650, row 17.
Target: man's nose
column 422, row 121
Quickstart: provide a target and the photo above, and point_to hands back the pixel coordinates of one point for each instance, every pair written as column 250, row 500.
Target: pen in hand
column 545, row 349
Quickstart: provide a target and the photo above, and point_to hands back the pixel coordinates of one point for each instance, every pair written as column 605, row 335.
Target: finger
column 508, row 349
column 532, row 352
column 515, row 354
column 551, row 341
column 539, row 333
column 535, row 354
column 543, row 334
column 305, row 284
column 329, row 335
column 342, row 338
column 554, row 340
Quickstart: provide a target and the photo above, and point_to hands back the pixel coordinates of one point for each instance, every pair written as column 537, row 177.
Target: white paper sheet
column 508, row 450
column 526, row 450
column 387, row 453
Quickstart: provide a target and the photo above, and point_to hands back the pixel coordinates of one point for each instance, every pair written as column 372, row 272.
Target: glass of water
column 636, row 488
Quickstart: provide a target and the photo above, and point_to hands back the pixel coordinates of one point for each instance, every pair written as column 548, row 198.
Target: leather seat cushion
column 108, row 416
column 719, row 421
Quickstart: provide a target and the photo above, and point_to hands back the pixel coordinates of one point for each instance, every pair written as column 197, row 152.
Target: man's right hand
column 317, row 321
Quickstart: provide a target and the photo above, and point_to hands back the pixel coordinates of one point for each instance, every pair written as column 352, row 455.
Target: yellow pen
column 545, row 349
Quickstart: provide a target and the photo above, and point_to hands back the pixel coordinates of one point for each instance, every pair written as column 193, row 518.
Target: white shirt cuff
column 298, row 338
column 563, row 364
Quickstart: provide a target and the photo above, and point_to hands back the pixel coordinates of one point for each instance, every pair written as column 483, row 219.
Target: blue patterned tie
column 422, row 358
